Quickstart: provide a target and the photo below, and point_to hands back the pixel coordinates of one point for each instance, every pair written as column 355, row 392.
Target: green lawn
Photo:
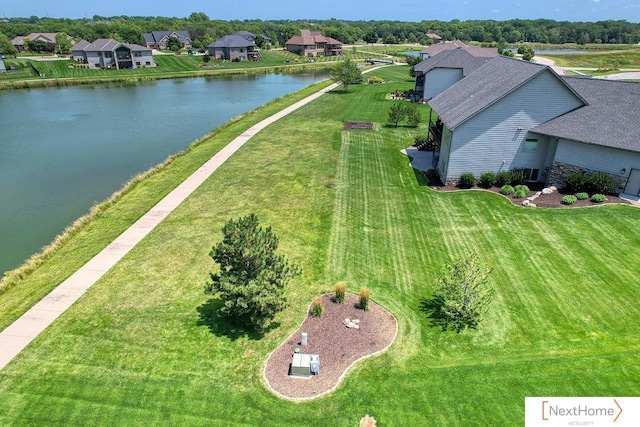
column 629, row 58
column 144, row 346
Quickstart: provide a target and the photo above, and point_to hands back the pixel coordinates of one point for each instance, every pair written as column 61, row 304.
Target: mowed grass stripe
column 146, row 347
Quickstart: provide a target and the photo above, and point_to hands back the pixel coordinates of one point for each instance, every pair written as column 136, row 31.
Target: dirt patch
column 338, row 346
column 553, row 200
column 357, row 126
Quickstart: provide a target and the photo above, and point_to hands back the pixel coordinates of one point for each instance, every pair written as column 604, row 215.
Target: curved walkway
column 21, row 332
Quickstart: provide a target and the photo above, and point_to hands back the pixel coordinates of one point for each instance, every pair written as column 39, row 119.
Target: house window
column 148, row 62
column 530, row 144
column 138, row 63
column 137, row 53
column 108, row 54
column 533, row 176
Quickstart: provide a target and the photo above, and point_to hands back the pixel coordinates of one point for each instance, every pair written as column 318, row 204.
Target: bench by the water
column 357, row 126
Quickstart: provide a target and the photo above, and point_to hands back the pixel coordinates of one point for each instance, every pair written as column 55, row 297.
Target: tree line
column 204, row 30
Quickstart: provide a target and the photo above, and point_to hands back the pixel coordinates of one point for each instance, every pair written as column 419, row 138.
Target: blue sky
column 403, row 10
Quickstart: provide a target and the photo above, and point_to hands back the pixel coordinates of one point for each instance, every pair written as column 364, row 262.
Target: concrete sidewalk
column 21, row 332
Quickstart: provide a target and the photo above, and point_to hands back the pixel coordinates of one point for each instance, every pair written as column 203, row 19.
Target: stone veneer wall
column 559, row 172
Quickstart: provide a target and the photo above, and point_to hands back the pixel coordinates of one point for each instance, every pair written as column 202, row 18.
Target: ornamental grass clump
column 341, row 290
column 507, row 190
column 363, row 303
column 582, row 196
column 598, row 198
column 316, row 307
column 521, row 191
column 569, row 200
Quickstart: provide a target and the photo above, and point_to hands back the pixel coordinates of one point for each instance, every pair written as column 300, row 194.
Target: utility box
column 301, row 365
column 314, row 364
column 303, row 340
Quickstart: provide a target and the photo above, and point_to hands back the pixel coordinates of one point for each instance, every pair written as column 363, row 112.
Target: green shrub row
column 514, row 177
column 598, row 183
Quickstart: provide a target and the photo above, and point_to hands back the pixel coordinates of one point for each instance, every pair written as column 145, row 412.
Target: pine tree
column 252, row 276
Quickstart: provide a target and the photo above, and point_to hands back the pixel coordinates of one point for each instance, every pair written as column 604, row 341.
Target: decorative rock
column 547, row 191
column 356, row 320
column 356, row 326
column 538, row 193
column 526, row 202
column 350, row 325
column 347, row 320
column 531, row 205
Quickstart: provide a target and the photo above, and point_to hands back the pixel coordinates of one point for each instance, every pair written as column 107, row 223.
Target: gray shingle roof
column 456, row 58
column 232, row 41
column 80, row 45
column 611, row 119
column 103, row 45
column 483, row 87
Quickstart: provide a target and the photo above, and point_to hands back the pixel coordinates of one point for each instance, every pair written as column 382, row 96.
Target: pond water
column 64, row 149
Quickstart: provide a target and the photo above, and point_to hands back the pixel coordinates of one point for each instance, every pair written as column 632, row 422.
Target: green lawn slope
column 144, row 346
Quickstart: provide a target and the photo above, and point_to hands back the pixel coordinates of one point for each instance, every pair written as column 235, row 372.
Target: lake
column 64, row 149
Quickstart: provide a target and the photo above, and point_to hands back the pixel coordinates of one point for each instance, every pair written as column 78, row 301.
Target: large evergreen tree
column 252, row 276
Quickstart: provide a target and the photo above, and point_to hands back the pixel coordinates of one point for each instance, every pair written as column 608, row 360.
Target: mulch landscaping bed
column 339, row 347
column 553, row 200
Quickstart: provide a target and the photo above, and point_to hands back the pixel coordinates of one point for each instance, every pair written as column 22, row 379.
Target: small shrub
column 316, row 307
column 507, row 190
column 467, row 180
column 341, row 289
column 432, row 175
column 519, row 176
column 363, row 303
column 600, row 183
column 487, row 179
column 374, row 80
column 522, row 188
column 582, row 196
column 519, row 194
column 576, row 182
column 503, row 178
column 569, row 200
column 598, row 198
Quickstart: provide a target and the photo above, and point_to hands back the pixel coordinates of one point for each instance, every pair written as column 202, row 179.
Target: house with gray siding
column 234, row 48
column 478, row 51
column 77, row 50
column 510, row 114
column 160, row 39
column 443, row 70
column 109, row 53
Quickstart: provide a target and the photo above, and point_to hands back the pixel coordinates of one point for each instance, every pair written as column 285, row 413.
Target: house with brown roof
column 434, row 37
column 234, row 48
column 109, row 53
column 313, row 43
column 49, row 40
column 510, row 113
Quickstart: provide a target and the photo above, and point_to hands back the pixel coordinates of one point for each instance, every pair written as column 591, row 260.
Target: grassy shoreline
column 146, row 189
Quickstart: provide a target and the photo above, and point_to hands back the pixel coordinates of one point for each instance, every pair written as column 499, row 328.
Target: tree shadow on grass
column 434, row 309
column 209, row 316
